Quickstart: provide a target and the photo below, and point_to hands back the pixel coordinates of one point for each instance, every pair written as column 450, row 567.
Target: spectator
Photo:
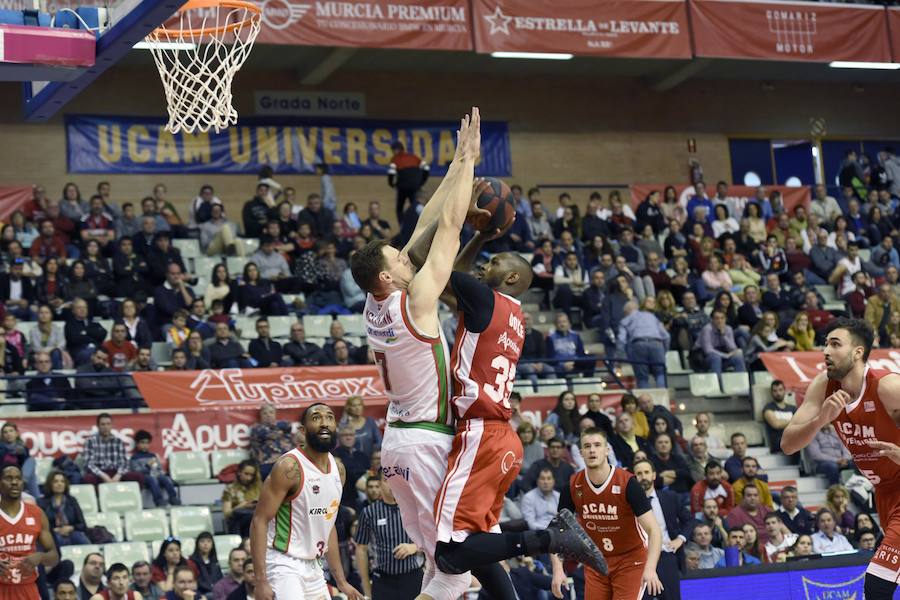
column 564, row 348
column 879, row 308
column 120, row 351
column 218, row 235
column 865, row 540
column 712, row 487
column 533, row 450
column 596, row 413
column 801, row 333
column 269, row 439
column 301, row 352
column 247, row 588
column 629, row 404
column 130, row 270
column 167, row 565
column 826, row 538
column 143, row 362
column 205, row 559
column 652, row 411
column 709, row 554
column 367, row 433
column 829, row 454
column 137, row 327
column 265, row 351
column 240, row 497
column 734, row 464
column 644, row 339
column 750, row 510
column 673, row 471
column 147, row 463
column 625, row 443
column 256, row 212
column 128, row 223
column 749, row 476
column 342, row 356
column 173, row 295
column 718, row 346
column 355, row 462
column 752, row 542
column 837, row 500
column 143, row 582
column 320, row 218
column 559, row 468
column 256, row 293
column 780, row 540
column 47, row 391
column 17, row 291
column 565, row 417
column 96, row 390
column 225, row 352
column 765, row 338
column 407, row 173
column 777, row 414
column 231, row 580
column 162, row 254
column 63, row 511
column 714, row 444
column 197, row 353
column 796, row 518
column 104, row 456
column 570, row 281
column 90, row 582
column 271, row 264
column 200, row 209
column 196, row 319
column 539, row 505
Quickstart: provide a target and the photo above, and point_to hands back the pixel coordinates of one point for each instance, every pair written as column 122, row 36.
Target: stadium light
column 164, row 45
column 850, row 64
column 533, row 55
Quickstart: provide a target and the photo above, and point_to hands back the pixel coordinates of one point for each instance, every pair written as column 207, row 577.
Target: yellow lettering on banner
column 288, row 145
column 357, row 154
column 421, row 143
column 196, row 147
column 331, row 146
column 267, row 145
column 110, row 138
column 446, row 148
column 401, row 137
column 308, row 143
column 240, row 148
column 166, row 148
column 381, row 141
column 136, row 154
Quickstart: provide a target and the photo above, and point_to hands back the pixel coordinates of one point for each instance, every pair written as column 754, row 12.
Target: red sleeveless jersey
column 484, row 364
column 866, row 419
column 606, row 513
column 18, row 538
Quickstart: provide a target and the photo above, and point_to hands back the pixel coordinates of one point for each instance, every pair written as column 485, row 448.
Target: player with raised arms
column 293, row 524
column 864, row 405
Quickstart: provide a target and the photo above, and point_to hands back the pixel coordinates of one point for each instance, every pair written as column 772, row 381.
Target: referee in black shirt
column 396, row 572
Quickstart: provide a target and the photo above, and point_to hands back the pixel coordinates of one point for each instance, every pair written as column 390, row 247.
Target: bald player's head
column 507, row 272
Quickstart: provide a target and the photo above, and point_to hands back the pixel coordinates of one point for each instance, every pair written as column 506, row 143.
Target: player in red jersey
column 612, row 506
column 864, row 406
column 22, row 526
column 487, row 454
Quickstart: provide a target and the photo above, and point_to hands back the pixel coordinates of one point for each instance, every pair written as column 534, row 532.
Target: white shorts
column 295, row 578
column 414, row 462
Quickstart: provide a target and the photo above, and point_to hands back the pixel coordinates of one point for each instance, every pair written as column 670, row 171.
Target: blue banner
column 133, row 145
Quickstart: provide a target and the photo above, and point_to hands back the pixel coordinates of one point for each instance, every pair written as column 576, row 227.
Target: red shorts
column 22, row 591
column 886, row 562
column 622, row 583
column 485, row 460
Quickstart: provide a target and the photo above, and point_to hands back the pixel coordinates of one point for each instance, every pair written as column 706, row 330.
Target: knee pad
column 444, row 558
column 877, row 588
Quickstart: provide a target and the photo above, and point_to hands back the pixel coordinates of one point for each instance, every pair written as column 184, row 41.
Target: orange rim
column 253, row 13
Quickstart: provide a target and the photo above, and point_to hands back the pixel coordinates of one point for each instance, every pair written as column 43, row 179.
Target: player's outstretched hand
column 558, row 583
column 263, row 591
column 348, row 590
column 891, row 451
column 652, row 583
column 834, row 404
column 468, row 146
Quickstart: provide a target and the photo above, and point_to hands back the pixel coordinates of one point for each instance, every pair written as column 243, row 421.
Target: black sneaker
column 569, row 540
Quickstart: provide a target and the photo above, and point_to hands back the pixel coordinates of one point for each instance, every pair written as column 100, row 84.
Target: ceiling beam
column 327, row 66
column 679, row 75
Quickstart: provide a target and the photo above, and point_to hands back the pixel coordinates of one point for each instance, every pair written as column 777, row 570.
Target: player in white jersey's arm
column 293, row 524
column 405, row 337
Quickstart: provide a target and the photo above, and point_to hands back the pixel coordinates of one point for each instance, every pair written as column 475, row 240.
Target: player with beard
column 864, row 405
column 293, row 525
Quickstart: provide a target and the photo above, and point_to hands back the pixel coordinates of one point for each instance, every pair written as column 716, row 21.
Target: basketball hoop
column 197, row 53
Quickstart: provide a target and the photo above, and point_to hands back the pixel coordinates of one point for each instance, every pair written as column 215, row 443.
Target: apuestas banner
column 795, row 31
column 893, row 14
column 420, row 25
column 141, row 145
column 742, row 194
column 631, row 28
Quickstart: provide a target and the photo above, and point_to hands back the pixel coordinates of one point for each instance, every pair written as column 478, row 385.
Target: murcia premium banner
column 628, row 28
column 797, row 31
column 420, row 25
column 893, row 14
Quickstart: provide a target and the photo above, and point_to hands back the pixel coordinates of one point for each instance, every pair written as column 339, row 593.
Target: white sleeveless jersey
column 413, row 366
column 303, row 523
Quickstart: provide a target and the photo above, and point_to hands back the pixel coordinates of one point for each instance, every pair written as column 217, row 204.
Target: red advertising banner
column 893, row 15
column 12, row 198
column 798, row 31
column 243, row 388
column 630, row 28
column 432, row 25
column 741, row 193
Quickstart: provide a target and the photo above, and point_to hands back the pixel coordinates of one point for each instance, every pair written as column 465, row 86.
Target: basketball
column 494, row 196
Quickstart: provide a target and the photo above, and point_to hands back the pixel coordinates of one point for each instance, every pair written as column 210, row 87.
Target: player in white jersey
column 293, row 525
column 404, row 334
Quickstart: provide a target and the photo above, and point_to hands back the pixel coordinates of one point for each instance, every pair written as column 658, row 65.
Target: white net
column 197, row 53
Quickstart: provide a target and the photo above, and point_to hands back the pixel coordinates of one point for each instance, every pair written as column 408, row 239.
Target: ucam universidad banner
column 141, row 145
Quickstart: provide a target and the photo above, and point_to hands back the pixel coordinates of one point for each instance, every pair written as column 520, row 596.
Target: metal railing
column 72, row 391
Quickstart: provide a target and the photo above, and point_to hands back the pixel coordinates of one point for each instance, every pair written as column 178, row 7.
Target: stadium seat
column 762, row 378
column 827, row 292
column 86, row 496
column 760, row 395
column 110, row 520
column 161, row 353
column 246, row 326
column 736, row 384
column 77, row 554
column 189, row 248
column 704, row 384
column 588, row 385
column 280, row 327
column 865, row 254
column 42, row 467
column 190, row 521
column 204, row 265
column 251, row 245
column 187, row 547
column 146, row 525
column 223, row 458
column 673, row 364
column 189, row 467
column 236, row 265
column 552, row 386
column 126, row 553
column 120, row 497
column 353, row 324
column 224, row 545
column 106, row 324
column 317, row 326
